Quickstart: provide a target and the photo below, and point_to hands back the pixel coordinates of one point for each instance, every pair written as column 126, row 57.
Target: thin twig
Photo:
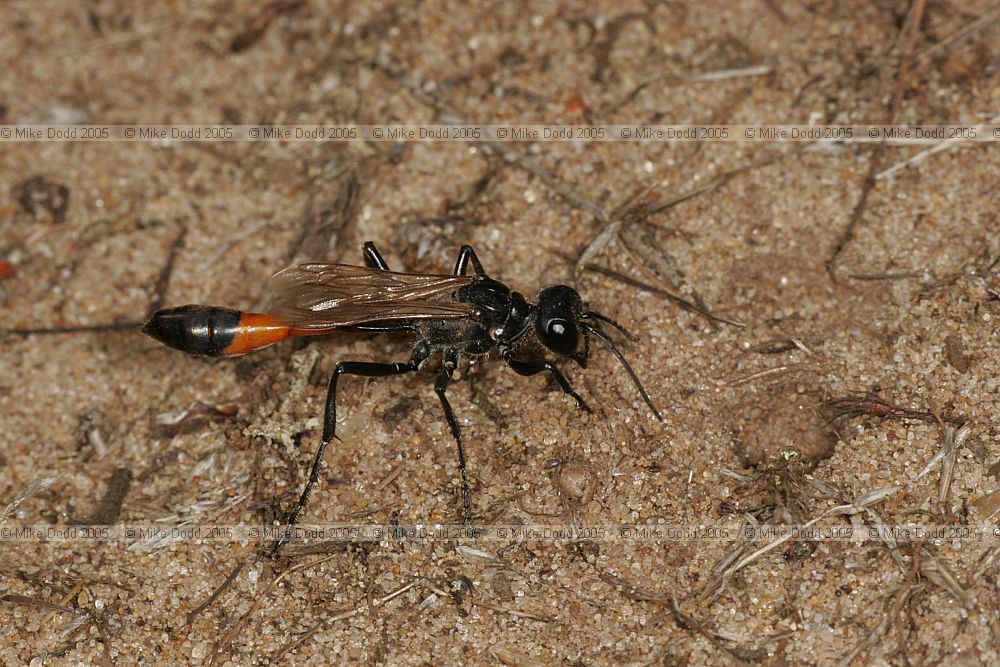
column 856, row 406
column 215, row 594
column 900, row 597
column 939, row 147
column 85, row 328
column 847, row 235
column 734, row 73
column 163, row 280
column 759, row 374
column 989, row 18
column 954, row 439
column 680, row 301
column 347, row 613
column 612, row 227
column 227, row 638
column 41, row 604
column 885, row 276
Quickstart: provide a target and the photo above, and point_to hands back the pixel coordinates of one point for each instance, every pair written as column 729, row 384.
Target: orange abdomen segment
column 254, row 332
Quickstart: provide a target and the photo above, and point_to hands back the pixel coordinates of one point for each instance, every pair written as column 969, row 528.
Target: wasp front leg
column 529, row 368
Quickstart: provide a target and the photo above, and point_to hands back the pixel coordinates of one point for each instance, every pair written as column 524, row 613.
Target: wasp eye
column 559, row 335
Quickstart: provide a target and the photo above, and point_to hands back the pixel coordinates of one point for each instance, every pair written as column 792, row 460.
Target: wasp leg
column 585, row 358
column 364, row 369
column 466, row 255
column 373, row 258
column 441, row 386
column 529, row 368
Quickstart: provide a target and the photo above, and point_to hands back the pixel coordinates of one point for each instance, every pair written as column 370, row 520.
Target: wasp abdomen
column 213, row 331
column 204, row 330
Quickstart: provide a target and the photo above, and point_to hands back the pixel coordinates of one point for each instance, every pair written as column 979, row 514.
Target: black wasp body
column 500, row 320
column 453, row 315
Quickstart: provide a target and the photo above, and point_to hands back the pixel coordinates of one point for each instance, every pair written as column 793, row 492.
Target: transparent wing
column 330, row 296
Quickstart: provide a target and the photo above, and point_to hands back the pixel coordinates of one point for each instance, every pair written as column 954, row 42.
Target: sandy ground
column 772, row 422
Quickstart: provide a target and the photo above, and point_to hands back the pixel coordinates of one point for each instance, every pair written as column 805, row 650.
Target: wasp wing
column 331, row 296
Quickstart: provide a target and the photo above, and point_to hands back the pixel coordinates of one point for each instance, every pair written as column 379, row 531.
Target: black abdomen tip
column 203, row 330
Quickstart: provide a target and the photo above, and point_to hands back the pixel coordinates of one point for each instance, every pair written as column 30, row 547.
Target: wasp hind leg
column 363, row 369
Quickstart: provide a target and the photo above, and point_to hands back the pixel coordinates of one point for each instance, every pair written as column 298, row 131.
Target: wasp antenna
column 635, row 378
column 603, row 318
